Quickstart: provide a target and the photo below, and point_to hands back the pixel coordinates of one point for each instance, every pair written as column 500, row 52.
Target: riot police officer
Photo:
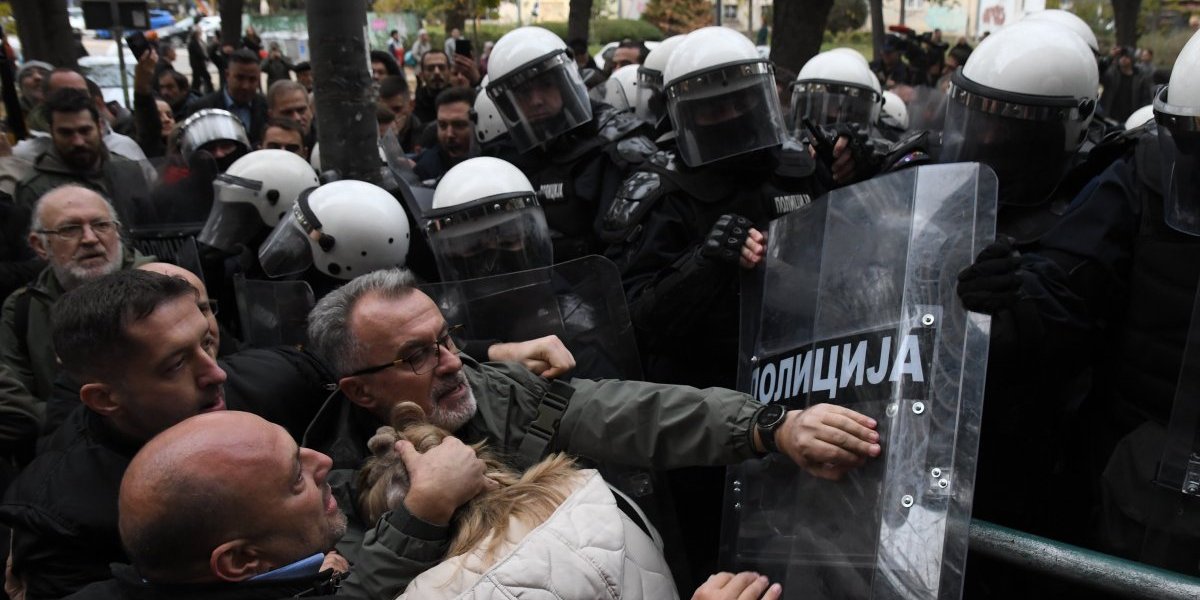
column 1022, row 105
column 574, row 151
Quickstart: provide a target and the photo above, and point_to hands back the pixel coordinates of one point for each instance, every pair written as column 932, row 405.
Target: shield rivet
column 918, row 408
column 906, row 501
column 943, row 483
column 936, row 472
column 927, row 320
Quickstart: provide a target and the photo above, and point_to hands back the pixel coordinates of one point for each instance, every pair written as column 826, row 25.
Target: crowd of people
column 228, row 372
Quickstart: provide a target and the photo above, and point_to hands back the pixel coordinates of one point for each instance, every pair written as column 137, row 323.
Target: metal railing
column 1078, row 565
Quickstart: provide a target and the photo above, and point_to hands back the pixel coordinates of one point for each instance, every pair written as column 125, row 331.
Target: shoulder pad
column 616, row 124
column 634, row 150
column 637, row 195
column 795, row 161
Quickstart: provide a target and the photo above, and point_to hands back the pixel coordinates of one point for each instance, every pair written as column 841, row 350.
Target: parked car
column 158, row 19
column 106, row 72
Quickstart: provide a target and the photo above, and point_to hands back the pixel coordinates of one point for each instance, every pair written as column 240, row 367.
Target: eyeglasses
column 293, row 148
column 208, row 305
column 423, row 359
column 74, row 231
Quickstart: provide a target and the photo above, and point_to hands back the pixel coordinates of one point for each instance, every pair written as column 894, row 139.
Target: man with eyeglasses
column 77, row 232
column 388, row 344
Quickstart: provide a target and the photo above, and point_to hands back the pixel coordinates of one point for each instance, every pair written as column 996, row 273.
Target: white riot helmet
column 836, row 87
column 254, row 193
column 211, row 125
column 486, row 220
column 1022, row 105
column 1140, row 117
column 894, row 113
column 1070, row 21
column 721, row 97
column 649, row 105
column 488, row 123
column 1177, row 112
column 620, row 89
column 345, row 228
column 536, row 86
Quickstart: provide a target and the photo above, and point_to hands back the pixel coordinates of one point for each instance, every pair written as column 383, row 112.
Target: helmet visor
column 1028, row 145
column 612, row 93
column 725, row 113
column 287, row 250
column 233, row 219
column 491, row 239
column 649, row 105
column 824, row 103
column 208, row 126
column 542, row 101
column 1179, row 143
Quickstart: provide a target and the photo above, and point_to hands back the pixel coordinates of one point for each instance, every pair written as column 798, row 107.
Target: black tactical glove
column 991, row 283
column 724, row 243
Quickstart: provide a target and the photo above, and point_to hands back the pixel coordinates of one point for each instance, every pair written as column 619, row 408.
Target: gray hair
column 35, row 222
column 281, row 87
column 329, row 334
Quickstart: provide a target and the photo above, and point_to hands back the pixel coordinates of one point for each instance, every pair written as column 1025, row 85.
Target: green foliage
column 603, row 31
column 1165, row 45
column 847, row 15
column 678, row 16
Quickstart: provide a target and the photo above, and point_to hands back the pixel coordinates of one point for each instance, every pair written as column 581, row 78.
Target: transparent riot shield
column 856, row 306
column 580, row 301
column 1179, row 468
column 273, row 313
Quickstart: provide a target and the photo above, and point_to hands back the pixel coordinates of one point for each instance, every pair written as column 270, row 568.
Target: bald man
column 226, row 505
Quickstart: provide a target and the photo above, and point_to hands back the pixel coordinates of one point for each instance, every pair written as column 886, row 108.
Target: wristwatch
column 767, row 421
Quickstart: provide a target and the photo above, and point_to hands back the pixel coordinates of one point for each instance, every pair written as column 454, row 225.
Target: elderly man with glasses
column 389, row 344
column 76, row 231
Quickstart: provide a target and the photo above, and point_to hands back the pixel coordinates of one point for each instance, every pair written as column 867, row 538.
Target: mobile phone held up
column 462, row 46
column 138, row 44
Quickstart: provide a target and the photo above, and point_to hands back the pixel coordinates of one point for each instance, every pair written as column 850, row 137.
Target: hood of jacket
column 587, row 549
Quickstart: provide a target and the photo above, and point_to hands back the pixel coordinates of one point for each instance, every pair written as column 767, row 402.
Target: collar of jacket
column 50, row 162
column 136, row 588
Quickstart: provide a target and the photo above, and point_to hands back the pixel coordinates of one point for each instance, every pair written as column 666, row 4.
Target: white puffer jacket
column 587, row 550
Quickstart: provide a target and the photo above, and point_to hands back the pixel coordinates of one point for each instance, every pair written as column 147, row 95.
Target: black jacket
column 63, row 507
column 128, row 585
column 258, row 112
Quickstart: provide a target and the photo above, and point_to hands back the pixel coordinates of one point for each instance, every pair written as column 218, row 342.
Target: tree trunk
column 456, row 18
column 877, row 28
column 578, row 18
column 231, row 22
column 799, row 27
column 45, row 31
column 1125, row 16
column 346, row 127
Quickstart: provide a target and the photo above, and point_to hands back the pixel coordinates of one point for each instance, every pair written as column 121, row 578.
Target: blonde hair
column 529, row 498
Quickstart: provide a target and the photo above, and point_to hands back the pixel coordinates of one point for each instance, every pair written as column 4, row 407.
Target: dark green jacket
column 118, row 179
column 625, row 422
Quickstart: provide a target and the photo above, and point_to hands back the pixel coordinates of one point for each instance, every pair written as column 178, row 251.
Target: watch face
column 771, row 415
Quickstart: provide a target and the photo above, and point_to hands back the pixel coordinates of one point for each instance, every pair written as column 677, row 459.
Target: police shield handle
column 746, row 585
column 826, row 440
column 545, row 356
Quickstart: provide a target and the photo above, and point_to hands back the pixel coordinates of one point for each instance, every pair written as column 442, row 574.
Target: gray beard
column 71, row 277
